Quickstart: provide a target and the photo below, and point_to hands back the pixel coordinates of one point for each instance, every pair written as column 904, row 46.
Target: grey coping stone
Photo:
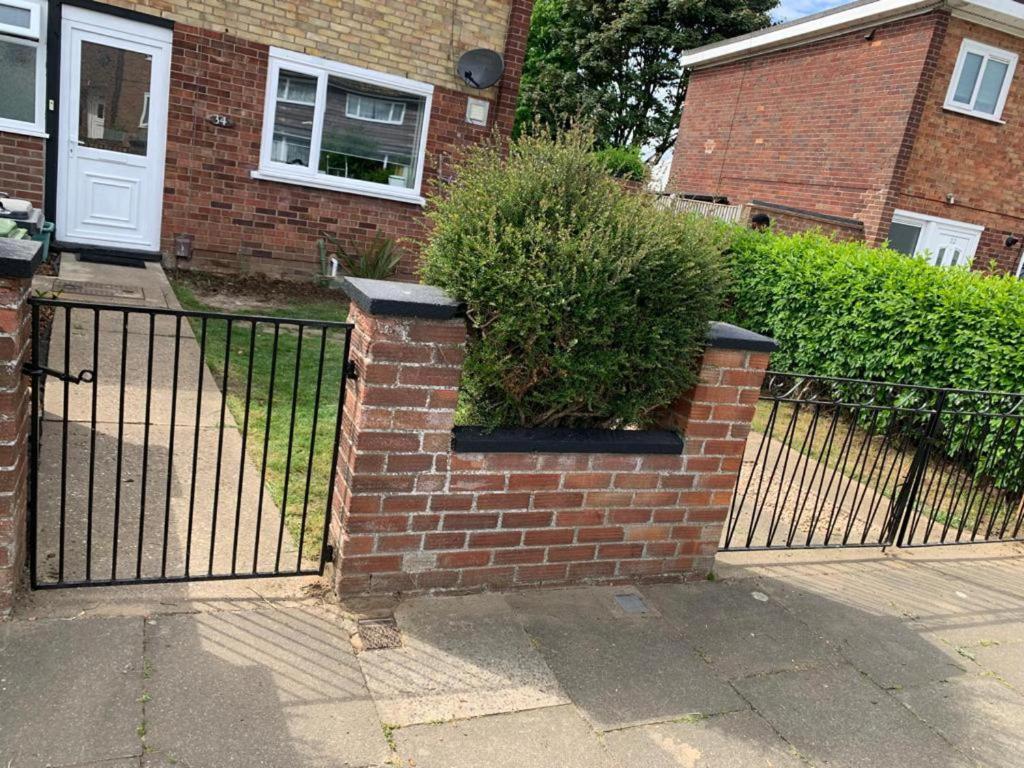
column 835, row 716
column 19, row 258
column 544, row 738
column 69, row 691
column 460, row 657
column 728, row 336
column 733, row 740
column 981, row 716
column 275, row 687
column 390, row 297
column 738, row 634
column 620, row 671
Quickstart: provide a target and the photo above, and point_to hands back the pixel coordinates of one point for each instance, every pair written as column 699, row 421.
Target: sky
column 788, row 10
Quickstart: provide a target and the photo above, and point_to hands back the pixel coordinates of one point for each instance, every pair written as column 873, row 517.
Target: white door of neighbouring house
column 114, row 82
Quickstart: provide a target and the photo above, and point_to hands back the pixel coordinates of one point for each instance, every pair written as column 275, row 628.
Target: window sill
column 385, row 193
column 971, row 113
column 23, row 130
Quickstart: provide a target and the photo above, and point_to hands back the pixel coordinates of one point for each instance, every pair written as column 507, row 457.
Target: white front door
column 114, row 82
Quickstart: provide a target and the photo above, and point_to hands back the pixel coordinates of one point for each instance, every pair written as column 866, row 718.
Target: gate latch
column 36, row 372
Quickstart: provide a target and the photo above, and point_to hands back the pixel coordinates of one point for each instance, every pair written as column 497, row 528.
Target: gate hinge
column 350, row 370
column 85, row 375
column 329, row 553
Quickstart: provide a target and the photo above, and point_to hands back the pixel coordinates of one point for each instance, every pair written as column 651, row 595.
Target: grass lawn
column 291, row 418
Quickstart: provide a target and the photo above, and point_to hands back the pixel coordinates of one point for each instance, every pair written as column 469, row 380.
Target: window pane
column 18, row 83
column 968, row 78
column 293, row 122
column 113, row 89
column 904, row 237
column 372, row 136
column 991, row 86
column 15, row 17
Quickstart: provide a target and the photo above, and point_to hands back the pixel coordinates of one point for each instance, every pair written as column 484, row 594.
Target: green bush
column 623, row 162
column 845, row 309
column 588, row 306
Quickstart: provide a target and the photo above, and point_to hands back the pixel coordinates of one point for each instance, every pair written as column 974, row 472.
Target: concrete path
column 176, row 499
column 788, row 660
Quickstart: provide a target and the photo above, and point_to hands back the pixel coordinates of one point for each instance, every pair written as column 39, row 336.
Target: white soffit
column 1008, row 14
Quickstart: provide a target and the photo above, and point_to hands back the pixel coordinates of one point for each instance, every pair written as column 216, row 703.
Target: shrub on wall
column 587, row 305
column 623, row 162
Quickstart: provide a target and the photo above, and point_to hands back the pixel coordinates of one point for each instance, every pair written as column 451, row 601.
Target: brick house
column 233, row 133
column 905, row 116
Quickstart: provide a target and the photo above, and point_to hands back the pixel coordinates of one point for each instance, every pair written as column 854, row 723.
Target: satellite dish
column 480, row 68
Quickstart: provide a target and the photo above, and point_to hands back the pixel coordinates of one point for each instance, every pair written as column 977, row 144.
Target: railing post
column 907, row 498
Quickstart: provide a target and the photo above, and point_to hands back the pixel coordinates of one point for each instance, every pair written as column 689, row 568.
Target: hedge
column 588, row 305
column 846, row 309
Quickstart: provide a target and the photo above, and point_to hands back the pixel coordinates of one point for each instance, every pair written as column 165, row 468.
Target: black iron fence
column 835, row 462
column 172, row 445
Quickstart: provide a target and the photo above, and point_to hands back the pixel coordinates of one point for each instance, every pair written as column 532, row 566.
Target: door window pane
column 968, row 78
column 371, row 133
column 13, row 16
column 904, row 237
column 991, row 86
column 113, row 91
column 18, row 82
column 293, row 118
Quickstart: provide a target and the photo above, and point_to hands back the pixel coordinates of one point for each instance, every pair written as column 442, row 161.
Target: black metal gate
column 171, row 445
column 834, row 462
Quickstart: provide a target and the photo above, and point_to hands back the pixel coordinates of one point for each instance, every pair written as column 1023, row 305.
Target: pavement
column 820, row 658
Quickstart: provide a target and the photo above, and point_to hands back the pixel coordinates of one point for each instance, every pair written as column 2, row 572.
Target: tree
column 614, row 64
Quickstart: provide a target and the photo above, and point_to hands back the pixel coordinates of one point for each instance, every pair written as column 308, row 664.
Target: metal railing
column 192, row 445
column 835, row 462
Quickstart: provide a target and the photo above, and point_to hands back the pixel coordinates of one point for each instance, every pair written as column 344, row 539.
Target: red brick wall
column 980, row 162
column 243, row 224
column 15, row 344
column 818, row 127
column 416, row 517
column 22, row 166
column 791, row 221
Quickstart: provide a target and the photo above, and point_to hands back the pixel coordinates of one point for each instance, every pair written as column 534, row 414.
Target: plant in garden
column 588, row 306
column 378, row 260
column 623, row 162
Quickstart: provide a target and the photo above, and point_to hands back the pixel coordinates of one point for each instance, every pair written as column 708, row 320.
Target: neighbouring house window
column 981, row 80
column 144, row 117
column 341, row 127
column 22, row 66
column 942, row 242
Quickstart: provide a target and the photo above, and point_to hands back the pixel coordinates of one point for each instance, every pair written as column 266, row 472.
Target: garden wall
column 790, row 221
column 424, row 509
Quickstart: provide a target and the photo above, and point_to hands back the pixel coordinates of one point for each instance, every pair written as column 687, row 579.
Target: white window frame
column 34, row 37
column 988, row 53
column 309, row 176
column 354, row 113
column 930, row 227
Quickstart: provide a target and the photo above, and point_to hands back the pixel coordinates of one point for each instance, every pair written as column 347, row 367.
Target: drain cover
column 378, row 634
column 630, row 602
column 98, row 289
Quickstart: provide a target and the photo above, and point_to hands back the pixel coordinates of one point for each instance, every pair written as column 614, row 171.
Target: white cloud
column 787, row 10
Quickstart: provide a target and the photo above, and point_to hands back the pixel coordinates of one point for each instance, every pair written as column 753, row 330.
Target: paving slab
column 837, row 717
column 461, row 657
column 69, row 691
column 542, row 738
column 981, row 716
column 276, row 687
column 1004, row 660
column 620, row 671
column 739, row 629
column 734, row 740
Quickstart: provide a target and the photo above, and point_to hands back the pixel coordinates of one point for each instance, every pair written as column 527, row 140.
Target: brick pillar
column 714, row 419
column 518, row 31
column 407, row 346
column 18, row 261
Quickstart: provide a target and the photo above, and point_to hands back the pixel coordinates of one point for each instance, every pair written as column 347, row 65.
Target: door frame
column 101, row 18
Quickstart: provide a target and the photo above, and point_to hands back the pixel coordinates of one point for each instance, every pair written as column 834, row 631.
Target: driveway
column 850, row 658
